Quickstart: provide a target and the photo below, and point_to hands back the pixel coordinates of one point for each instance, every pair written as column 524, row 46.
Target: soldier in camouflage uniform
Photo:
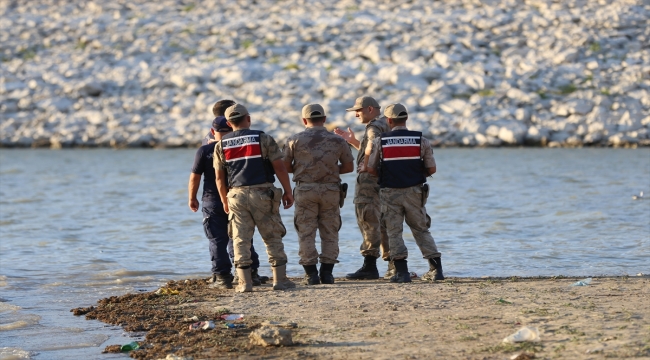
column 245, row 161
column 404, row 159
column 316, row 158
column 366, row 192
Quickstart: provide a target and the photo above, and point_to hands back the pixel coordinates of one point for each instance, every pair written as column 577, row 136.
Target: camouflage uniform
column 315, row 155
column 366, row 197
column 399, row 204
column 255, row 205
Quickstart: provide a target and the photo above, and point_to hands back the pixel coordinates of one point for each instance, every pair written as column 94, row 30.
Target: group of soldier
column 239, row 166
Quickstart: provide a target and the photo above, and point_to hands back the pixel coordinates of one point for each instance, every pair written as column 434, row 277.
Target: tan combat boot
column 280, row 281
column 245, row 280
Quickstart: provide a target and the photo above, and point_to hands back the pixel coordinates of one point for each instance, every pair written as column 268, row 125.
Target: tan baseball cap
column 312, row 110
column 236, row 111
column 363, row 102
column 396, row 111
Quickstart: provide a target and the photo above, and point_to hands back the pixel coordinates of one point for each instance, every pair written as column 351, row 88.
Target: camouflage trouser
column 398, row 205
column 368, row 210
column 250, row 206
column 317, row 207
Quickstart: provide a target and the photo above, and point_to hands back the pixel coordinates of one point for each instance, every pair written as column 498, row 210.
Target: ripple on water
column 9, row 353
column 16, row 320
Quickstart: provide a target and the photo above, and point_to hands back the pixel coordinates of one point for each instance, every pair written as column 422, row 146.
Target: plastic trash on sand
column 133, row 345
column 204, row 325
column 166, row 291
column 234, row 326
column 524, row 334
column 232, row 317
column 583, row 282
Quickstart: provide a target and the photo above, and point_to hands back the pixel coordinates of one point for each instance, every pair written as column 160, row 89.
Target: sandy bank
column 459, row 318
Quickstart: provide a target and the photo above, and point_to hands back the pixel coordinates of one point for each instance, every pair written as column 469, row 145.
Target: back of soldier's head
column 219, row 108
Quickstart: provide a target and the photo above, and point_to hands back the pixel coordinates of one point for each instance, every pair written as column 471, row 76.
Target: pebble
column 471, row 73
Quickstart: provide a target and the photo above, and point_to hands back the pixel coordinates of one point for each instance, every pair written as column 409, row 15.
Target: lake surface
column 80, row 225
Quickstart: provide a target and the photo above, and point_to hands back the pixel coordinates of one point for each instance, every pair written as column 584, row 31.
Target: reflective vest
column 244, row 163
column 401, row 159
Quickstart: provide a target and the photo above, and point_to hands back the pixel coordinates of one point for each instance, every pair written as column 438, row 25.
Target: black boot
column 311, row 275
column 367, row 272
column 326, row 276
column 435, row 270
column 256, row 278
column 222, row 281
column 402, row 274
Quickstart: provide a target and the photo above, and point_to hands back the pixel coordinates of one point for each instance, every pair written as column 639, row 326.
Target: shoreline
column 456, row 318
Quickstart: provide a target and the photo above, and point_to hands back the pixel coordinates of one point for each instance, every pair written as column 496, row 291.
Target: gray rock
column 271, row 336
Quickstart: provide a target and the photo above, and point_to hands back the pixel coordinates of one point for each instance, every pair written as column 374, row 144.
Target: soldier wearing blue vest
column 245, row 162
column 215, row 220
column 403, row 159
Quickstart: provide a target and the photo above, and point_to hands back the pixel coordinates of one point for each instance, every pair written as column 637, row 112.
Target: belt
column 314, row 183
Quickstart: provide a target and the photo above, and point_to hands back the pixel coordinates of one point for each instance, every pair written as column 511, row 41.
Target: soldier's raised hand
column 347, row 135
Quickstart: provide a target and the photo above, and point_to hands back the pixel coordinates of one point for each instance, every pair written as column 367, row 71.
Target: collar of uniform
column 316, row 128
column 373, row 120
column 399, row 128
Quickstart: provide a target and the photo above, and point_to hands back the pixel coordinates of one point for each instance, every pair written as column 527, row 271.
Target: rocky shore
column 472, row 73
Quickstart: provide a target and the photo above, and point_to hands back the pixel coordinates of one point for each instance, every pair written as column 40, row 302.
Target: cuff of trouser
column 436, row 256
column 373, row 253
column 279, row 263
column 329, row 261
column 401, row 257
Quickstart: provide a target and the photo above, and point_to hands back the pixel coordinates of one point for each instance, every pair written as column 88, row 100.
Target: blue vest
column 401, row 159
column 245, row 166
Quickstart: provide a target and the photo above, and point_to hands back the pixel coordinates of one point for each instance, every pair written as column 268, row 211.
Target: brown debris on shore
column 459, row 318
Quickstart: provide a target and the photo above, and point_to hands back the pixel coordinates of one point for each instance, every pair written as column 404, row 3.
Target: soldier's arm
column 288, row 156
column 429, row 160
column 222, row 186
column 192, row 189
column 346, row 167
column 372, row 160
column 275, row 156
column 283, row 176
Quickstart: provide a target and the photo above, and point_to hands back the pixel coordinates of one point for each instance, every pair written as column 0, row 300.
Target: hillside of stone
column 471, row 72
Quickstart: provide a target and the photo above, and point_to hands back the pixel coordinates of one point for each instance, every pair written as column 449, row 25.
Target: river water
column 80, row 225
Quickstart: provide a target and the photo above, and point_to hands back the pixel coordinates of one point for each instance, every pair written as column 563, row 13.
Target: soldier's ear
column 304, row 121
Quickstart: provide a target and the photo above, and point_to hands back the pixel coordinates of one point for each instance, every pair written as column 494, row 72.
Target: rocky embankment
column 472, row 73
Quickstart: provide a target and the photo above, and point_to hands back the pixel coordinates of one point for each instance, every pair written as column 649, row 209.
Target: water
column 80, row 225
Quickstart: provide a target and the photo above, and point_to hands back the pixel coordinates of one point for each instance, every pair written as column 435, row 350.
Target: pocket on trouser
column 277, row 200
column 428, row 220
column 231, row 216
column 284, row 229
column 206, row 228
column 295, row 224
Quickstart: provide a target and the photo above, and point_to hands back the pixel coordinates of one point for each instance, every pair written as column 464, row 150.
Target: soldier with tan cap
column 366, row 192
column 316, row 158
column 245, row 161
column 403, row 159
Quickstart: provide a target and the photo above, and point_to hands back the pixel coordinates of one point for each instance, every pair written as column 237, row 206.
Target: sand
column 459, row 318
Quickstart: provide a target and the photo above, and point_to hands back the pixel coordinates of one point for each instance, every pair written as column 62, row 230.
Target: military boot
column 280, row 280
column 221, row 281
column 326, row 276
column 390, row 272
column 311, row 275
column 402, row 274
column 255, row 277
column 245, row 280
column 435, row 270
column 368, row 270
